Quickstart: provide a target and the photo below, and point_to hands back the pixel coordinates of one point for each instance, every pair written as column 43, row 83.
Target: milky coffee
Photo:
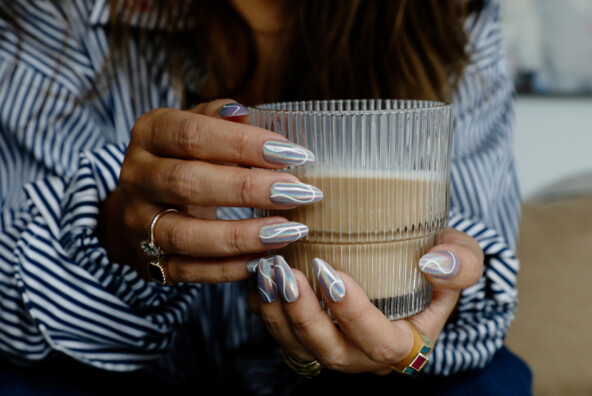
column 373, row 225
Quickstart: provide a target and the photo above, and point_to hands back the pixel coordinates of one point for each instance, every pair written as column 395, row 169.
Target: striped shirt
column 60, row 158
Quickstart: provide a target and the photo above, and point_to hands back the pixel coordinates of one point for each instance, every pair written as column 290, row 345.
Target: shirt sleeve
column 485, row 201
column 59, row 293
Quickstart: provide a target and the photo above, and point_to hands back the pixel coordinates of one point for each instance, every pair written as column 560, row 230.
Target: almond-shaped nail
column 330, row 281
column 286, row 153
column 282, row 233
column 266, row 282
column 286, row 281
column 439, row 264
column 233, row 110
column 294, row 193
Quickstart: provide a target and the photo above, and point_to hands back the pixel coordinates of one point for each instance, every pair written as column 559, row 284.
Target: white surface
column 553, row 143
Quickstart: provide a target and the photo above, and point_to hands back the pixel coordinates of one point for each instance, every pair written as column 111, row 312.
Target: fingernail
column 439, row 264
column 285, row 280
column 233, row 110
column 266, row 282
column 252, row 266
column 286, row 153
column 282, row 233
column 294, row 193
column 254, row 263
column 330, row 281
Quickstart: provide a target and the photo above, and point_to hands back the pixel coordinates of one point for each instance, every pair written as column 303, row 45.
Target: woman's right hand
column 188, row 160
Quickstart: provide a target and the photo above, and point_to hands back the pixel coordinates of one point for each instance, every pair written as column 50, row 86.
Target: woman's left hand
column 364, row 340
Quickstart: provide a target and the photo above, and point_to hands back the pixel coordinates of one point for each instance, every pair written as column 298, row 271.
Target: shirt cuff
column 96, row 311
column 477, row 329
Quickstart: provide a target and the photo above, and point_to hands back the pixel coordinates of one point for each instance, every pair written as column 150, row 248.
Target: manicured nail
column 286, row 153
column 233, row 110
column 282, row 233
column 285, row 280
column 266, row 281
column 254, row 263
column 330, row 281
column 294, row 193
column 439, row 264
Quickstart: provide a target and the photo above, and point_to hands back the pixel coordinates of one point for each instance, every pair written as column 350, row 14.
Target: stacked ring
column 417, row 359
column 150, row 247
column 308, row 369
column 157, row 269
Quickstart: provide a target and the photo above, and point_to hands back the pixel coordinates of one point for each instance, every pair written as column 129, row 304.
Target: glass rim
column 273, row 107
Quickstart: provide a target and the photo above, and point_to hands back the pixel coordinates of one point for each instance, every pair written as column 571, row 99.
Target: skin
column 196, row 161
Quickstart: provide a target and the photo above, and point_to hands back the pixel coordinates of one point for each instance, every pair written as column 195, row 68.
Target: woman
column 79, row 195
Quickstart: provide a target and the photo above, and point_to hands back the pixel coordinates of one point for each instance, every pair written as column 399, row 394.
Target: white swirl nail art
column 294, row 193
column 329, row 280
column 266, row 282
column 282, row 233
column 286, row 153
column 440, row 264
column 287, row 284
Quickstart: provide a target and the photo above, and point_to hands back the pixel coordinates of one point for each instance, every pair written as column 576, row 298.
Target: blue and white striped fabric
column 60, row 157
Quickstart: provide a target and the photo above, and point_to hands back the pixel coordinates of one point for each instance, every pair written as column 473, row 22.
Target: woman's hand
column 195, row 161
column 364, row 340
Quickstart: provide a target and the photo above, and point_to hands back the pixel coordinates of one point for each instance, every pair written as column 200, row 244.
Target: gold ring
column 418, row 358
column 150, row 247
column 158, row 270
column 308, row 369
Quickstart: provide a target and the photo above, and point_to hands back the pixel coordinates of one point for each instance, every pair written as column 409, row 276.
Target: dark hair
column 331, row 48
column 340, row 49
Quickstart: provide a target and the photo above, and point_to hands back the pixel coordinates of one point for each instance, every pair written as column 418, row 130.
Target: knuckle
column 127, row 175
column 132, row 220
column 245, row 187
column 177, row 239
column 239, row 143
column 353, row 317
column 180, row 273
column 187, row 137
column 302, row 323
column 337, row 361
column 179, row 182
column 235, row 240
column 225, row 274
column 271, row 323
column 386, row 353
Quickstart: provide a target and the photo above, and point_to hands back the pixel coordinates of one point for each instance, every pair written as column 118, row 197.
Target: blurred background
column 549, row 45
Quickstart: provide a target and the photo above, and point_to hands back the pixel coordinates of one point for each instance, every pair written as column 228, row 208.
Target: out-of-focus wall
column 553, row 145
column 549, row 46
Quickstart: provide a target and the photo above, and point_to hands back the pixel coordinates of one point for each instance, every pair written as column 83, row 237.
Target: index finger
column 183, row 134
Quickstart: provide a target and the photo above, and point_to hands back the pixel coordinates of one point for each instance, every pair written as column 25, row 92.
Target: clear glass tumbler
column 384, row 169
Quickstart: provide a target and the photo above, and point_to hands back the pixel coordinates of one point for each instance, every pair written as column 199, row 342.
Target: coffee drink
column 373, row 225
column 384, row 169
